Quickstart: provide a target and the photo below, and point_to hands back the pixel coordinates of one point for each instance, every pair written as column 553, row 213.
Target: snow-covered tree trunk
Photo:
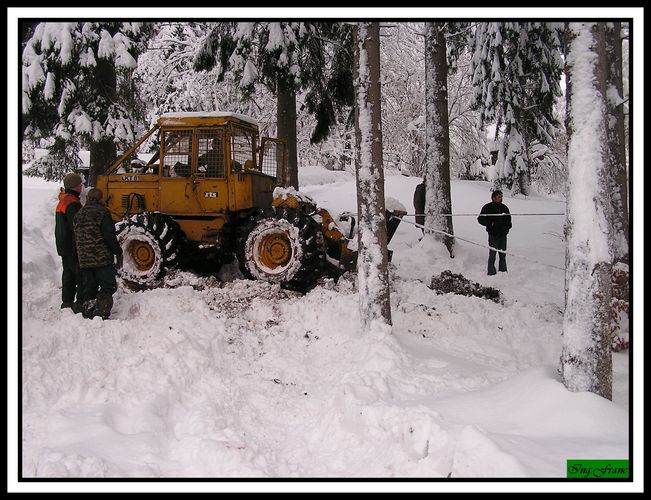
column 286, row 123
column 613, row 83
column 438, row 201
column 586, row 361
column 522, row 174
column 372, row 263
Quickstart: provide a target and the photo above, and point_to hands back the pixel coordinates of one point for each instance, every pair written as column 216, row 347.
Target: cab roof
column 197, row 118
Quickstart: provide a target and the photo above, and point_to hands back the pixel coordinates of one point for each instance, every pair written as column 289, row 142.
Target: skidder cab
column 211, row 192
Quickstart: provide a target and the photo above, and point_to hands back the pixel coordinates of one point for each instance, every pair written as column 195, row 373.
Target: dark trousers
column 70, row 279
column 498, row 242
column 421, row 221
column 98, row 284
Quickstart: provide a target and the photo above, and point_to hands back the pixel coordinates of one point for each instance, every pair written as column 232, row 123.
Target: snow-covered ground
column 220, row 377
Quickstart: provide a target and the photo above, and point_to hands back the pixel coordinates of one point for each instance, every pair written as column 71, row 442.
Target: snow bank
column 310, row 176
column 232, row 378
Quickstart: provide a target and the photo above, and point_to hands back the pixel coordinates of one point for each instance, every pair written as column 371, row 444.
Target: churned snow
column 221, row 377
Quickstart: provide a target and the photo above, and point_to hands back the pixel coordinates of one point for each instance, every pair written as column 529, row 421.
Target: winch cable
column 480, row 245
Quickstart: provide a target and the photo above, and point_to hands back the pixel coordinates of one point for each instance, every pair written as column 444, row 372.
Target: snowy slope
column 227, row 378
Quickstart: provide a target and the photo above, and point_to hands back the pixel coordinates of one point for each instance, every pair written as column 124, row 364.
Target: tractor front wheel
column 150, row 246
column 282, row 245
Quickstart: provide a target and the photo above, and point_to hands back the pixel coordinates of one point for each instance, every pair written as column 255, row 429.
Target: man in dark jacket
column 419, row 204
column 64, row 235
column 96, row 246
column 497, row 226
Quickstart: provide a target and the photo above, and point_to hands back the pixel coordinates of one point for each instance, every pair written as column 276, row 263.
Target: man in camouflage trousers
column 96, row 245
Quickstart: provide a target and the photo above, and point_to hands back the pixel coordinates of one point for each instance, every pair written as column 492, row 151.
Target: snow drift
column 221, row 377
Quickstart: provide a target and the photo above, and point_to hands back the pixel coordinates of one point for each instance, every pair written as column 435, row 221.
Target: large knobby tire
column 151, row 245
column 282, row 245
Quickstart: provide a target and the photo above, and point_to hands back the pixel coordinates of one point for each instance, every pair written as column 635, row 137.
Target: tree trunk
column 613, row 84
column 286, row 125
column 343, row 159
column 104, row 151
column 586, row 362
column 438, row 200
column 522, row 176
column 102, row 154
column 372, row 263
column 524, row 180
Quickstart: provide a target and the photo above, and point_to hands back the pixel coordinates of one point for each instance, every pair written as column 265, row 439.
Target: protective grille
column 178, row 152
column 273, row 160
column 133, row 202
column 210, row 160
column 241, row 148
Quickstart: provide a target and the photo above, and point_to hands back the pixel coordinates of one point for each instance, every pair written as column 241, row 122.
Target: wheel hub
column 143, row 255
column 275, row 250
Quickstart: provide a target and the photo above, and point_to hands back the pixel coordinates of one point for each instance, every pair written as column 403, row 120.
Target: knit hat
column 71, row 180
column 94, row 195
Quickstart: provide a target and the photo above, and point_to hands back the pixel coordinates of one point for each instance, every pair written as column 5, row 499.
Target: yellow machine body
column 334, row 238
column 205, row 196
column 200, row 202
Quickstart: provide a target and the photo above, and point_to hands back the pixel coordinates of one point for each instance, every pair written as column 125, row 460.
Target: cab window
column 242, row 149
column 177, row 153
column 210, row 153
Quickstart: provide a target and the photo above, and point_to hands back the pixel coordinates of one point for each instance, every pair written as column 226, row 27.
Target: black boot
column 88, row 309
column 104, row 305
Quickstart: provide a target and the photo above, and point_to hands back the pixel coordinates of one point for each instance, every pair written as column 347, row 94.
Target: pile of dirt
column 448, row 282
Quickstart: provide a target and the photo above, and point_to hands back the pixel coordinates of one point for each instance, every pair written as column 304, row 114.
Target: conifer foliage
column 77, row 91
column 517, row 68
column 286, row 58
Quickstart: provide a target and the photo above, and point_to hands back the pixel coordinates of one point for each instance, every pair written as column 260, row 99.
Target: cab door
column 209, row 175
column 176, row 187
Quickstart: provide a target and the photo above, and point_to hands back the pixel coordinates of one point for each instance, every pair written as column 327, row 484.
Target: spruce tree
column 286, row 57
column 517, row 68
column 77, row 92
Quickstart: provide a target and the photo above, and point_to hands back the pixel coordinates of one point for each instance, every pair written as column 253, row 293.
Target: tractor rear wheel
column 150, row 245
column 282, row 245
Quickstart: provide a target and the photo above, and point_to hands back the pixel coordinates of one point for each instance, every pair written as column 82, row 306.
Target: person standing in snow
column 64, row 234
column 497, row 226
column 419, row 205
column 96, row 245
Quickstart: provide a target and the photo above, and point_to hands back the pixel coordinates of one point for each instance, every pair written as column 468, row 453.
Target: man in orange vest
column 64, row 234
